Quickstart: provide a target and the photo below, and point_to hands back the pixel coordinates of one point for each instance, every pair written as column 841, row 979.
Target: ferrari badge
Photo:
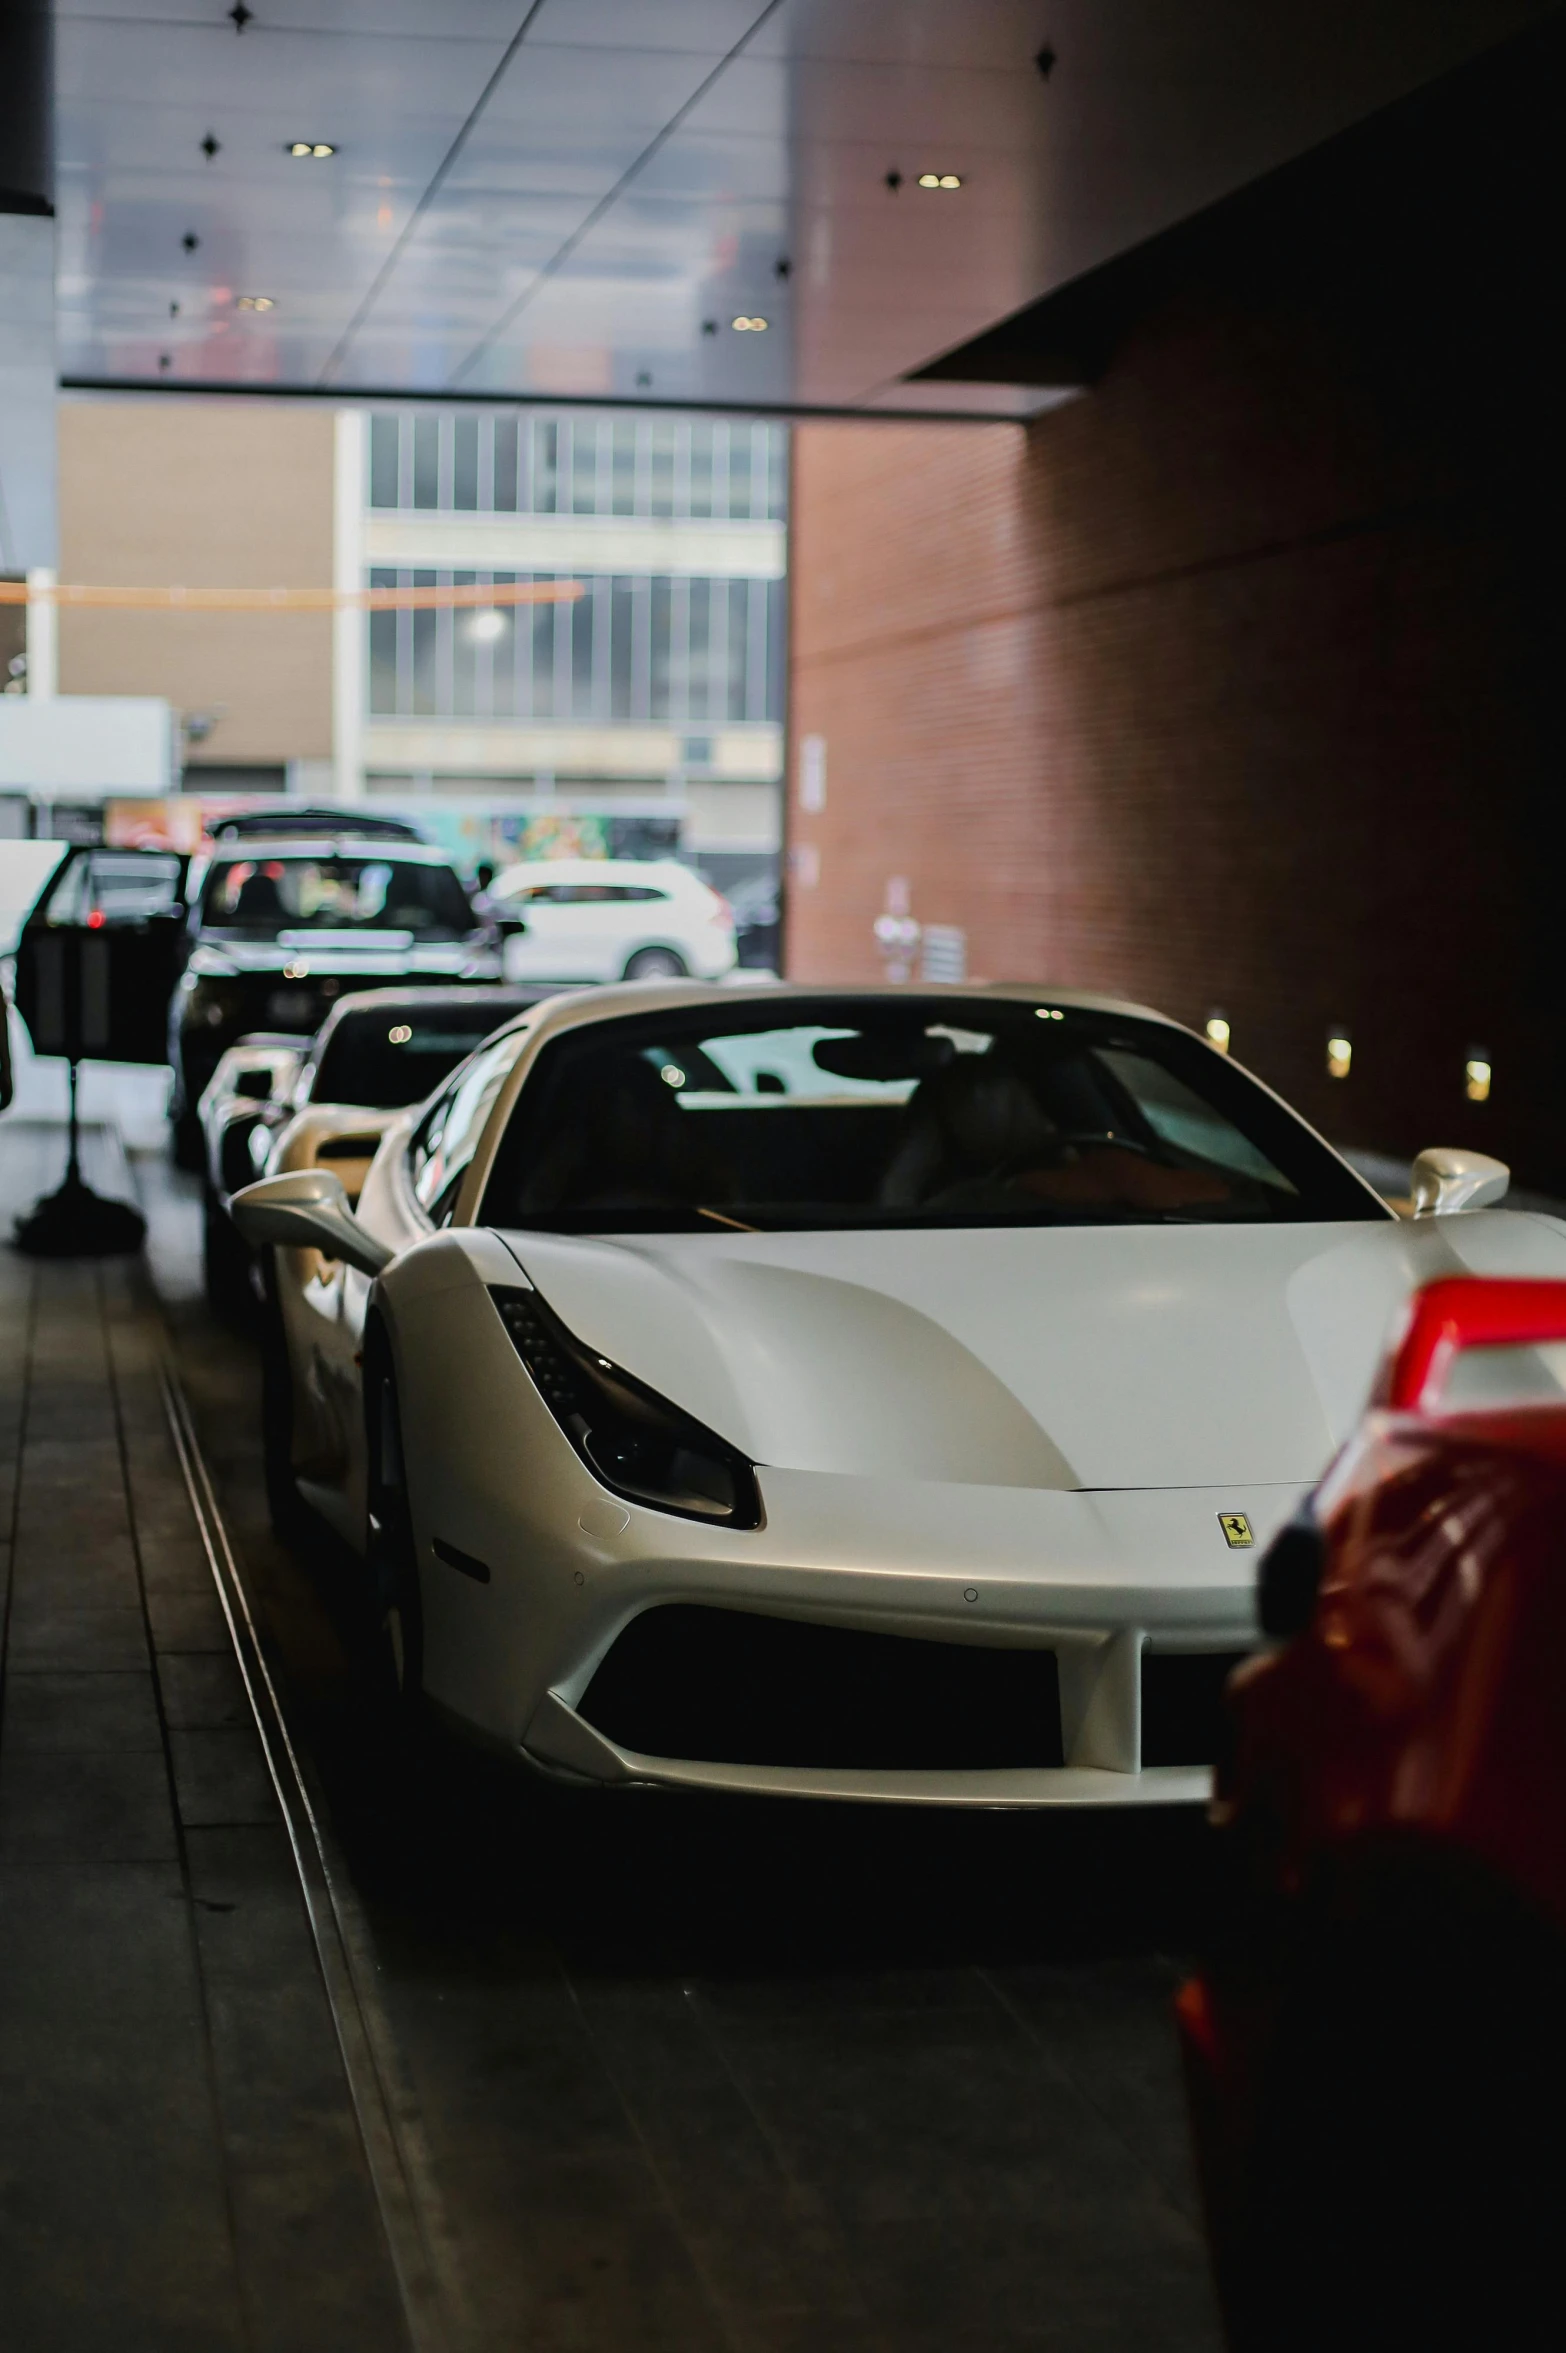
column 1237, row 1531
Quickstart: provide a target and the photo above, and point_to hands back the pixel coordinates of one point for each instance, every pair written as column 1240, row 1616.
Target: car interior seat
column 617, row 1136
column 968, row 1125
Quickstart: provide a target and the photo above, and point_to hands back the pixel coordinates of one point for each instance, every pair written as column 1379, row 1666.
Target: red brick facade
column 1226, row 684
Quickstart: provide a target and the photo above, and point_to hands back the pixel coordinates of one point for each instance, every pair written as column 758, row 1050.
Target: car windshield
column 263, row 897
column 916, row 1111
column 389, row 1058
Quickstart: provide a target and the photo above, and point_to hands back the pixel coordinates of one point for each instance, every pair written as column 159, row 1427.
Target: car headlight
column 632, row 1440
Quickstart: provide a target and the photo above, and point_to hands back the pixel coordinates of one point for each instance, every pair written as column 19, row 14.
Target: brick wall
column 1230, row 684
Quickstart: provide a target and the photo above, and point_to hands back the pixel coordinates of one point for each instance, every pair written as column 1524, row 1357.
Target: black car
column 379, row 1051
column 280, row 930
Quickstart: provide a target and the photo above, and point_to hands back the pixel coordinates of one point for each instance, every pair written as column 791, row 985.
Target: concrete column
column 43, row 638
column 350, row 664
column 28, row 532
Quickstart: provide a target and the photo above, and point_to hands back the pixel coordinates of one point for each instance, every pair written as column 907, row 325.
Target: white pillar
column 43, row 638
column 350, row 632
column 28, row 521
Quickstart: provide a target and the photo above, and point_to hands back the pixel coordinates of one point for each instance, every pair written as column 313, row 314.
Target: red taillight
column 722, row 912
column 96, row 920
column 1466, row 1311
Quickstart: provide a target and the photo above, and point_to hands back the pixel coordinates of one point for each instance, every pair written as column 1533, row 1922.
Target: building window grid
column 641, row 647
column 700, row 652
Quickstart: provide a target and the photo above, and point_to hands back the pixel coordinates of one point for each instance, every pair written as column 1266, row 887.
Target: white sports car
column 870, row 1394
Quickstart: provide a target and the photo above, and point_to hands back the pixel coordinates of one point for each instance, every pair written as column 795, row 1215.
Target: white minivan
column 613, row 919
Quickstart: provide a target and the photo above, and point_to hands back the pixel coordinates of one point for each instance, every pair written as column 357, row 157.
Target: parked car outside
column 607, row 919
column 1376, row 2045
column 279, row 930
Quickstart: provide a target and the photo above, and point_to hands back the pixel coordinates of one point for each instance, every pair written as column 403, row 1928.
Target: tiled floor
column 179, row 2165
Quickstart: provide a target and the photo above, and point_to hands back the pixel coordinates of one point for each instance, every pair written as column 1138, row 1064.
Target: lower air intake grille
column 729, row 1687
column 1184, row 1720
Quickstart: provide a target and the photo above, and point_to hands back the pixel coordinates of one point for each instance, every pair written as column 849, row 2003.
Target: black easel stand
column 76, row 1222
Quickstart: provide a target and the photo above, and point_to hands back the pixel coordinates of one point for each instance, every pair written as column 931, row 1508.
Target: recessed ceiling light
column 487, row 626
column 939, row 180
column 316, row 147
column 748, row 326
column 256, row 302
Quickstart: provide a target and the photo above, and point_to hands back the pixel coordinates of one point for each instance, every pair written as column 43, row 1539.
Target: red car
column 1376, row 2051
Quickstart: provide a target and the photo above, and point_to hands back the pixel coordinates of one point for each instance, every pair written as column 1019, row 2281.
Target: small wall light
column 940, row 180
column 744, row 325
column 1217, row 1027
column 1476, row 1077
column 256, row 302
column 315, row 147
column 1340, row 1056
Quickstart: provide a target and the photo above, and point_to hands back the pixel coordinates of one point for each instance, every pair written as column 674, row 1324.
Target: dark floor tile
column 311, row 2246
column 983, row 2283
column 561, row 2225
column 50, row 1633
column 64, row 1712
column 76, row 1576
column 202, row 1690
column 113, row 2230
column 97, row 1808
column 975, row 2187
column 221, row 1777
column 1111, row 2030
column 71, row 1466
column 188, row 1622
column 766, row 2241
column 88, row 1519
column 173, row 1564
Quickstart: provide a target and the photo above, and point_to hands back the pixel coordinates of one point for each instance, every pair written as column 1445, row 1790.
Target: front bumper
column 559, row 1742
column 1106, row 1582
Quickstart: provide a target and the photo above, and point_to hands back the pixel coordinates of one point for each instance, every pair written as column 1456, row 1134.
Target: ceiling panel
column 578, row 198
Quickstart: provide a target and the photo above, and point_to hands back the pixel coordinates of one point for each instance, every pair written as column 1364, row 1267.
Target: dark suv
column 279, row 930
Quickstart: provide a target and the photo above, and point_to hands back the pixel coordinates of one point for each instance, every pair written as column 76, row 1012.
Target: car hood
column 1150, row 1356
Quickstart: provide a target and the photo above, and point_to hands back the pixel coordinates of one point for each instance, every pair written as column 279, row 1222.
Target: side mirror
column 307, row 1209
column 1446, row 1179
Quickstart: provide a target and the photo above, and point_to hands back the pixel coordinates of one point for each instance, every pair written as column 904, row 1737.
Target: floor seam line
column 424, row 2296
column 209, row 2049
